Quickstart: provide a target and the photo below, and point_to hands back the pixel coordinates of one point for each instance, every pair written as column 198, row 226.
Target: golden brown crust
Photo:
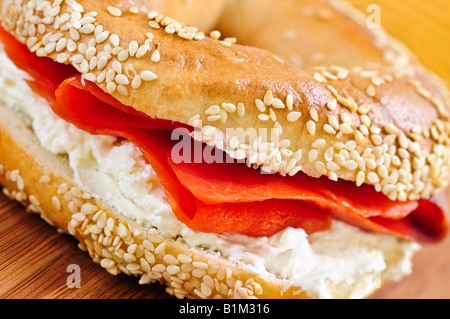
column 395, row 117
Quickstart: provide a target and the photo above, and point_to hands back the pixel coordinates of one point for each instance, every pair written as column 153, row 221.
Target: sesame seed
column 50, row 47
column 87, row 29
column 264, row 117
column 284, row 143
column 332, row 90
column 312, row 155
column 370, row 91
column 45, row 179
column 278, row 104
column 114, row 11
column 87, row 20
column 62, row 58
column 215, row 35
column 351, row 165
column 332, row 166
column 241, row 110
column 329, row 129
column 122, row 90
column 156, row 56
column 170, row 259
column 148, row 76
column 123, row 55
column 332, row 104
column 298, row 155
column 190, row 34
column 152, row 15
column 314, row 115
column 290, row 102
column 360, row 178
column 373, row 178
column 311, row 127
column 260, row 105
column 199, row 36
column 403, row 153
column 277, row 129
column 272, row 114
column 350, row 145
column 359, row 138
column 345, row 128
column 133, row 47
column 329, row 76
column 364, row 109
column 200, row 265
column 295, row 170
column 232, row 40
column 402, row 140
column 350, row 104
column 134, row 10
column 417, row 129
column 63, row 188
column 229, row 107
column 377, row 81
column 268, row 98
column 320, row 166
column 329, row 153
column 342, row 74
column 214, row 118
column 319, row 143
column 213, row 110
column 170, row 29
column 114, row 40
column 320, row 78
column 184, row 259
column 122, row 79
column 154, row 24
column 365, row 120
column 226, row 43
column 61, row 45
column 339, row 159
column 90, row 52
column 391, row 128
column 293, row 116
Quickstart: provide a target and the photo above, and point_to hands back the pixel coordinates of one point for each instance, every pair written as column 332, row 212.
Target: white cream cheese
column 117, row 173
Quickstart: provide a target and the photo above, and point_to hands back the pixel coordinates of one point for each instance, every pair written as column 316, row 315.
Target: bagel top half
column 386, row 126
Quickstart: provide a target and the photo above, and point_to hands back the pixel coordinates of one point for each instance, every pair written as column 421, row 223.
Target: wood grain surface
column 34, row 257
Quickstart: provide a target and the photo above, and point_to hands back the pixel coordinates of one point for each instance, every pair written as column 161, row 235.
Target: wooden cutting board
column 34, row 257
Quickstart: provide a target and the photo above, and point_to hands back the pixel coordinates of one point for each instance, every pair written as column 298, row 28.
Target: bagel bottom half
column 45, row 184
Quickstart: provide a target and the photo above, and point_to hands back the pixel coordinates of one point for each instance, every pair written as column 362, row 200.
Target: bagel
column 365, row 112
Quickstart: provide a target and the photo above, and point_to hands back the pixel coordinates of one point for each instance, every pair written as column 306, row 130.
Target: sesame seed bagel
column 365, row 111
column 386, row 126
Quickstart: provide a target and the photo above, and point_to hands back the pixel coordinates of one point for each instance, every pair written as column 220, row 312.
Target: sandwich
column 219, row 169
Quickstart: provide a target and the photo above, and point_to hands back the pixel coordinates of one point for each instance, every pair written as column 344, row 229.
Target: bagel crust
column 387, row 127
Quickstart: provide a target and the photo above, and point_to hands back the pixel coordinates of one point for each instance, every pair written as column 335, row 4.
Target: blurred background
column 424, row 26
